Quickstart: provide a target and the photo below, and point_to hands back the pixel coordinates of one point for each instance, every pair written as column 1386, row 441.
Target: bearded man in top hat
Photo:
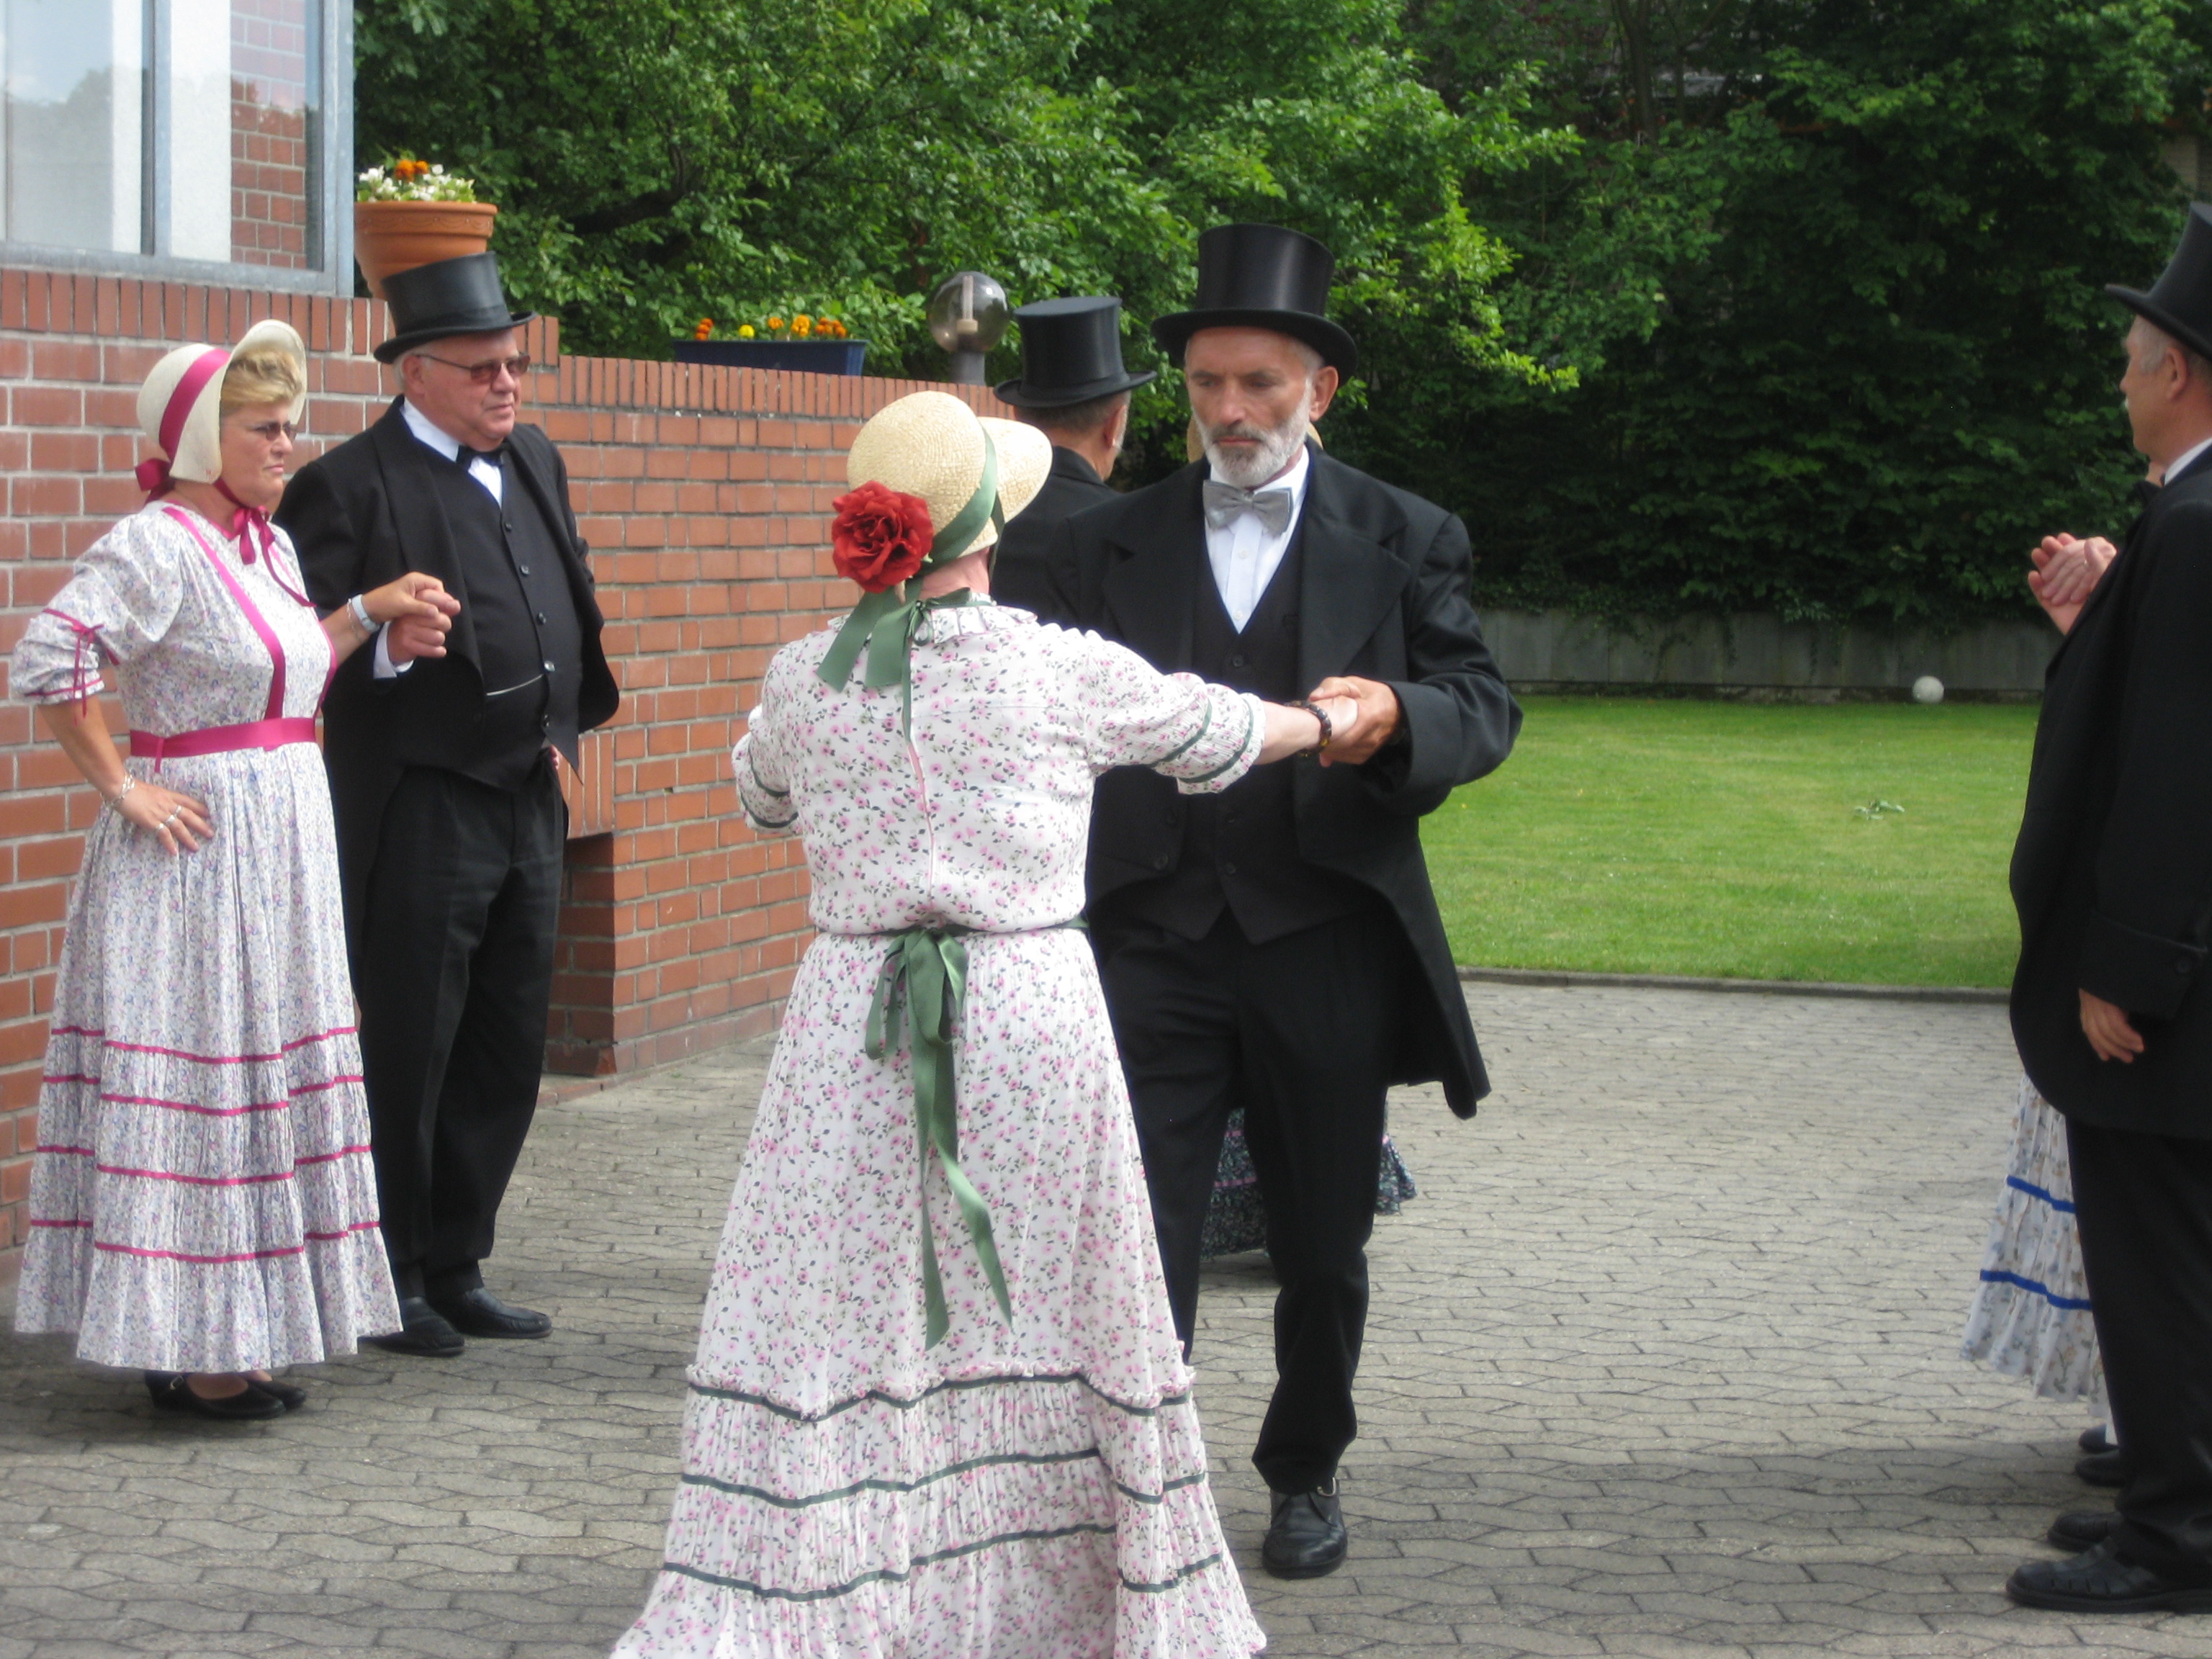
column 2111, row 1006
column 444, row 776
column 1279, row 948
column 1073, row 389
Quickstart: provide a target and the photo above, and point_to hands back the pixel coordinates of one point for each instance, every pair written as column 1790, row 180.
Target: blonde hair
column 262, row 377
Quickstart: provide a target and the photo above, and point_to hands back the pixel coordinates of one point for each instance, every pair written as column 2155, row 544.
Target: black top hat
column 1262, row 276
column 1071, row 353
column 2180, row 301
column 446, row 296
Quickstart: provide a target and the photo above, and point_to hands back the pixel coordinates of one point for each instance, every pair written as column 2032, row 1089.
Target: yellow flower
column 744, row 331
column 802, row 325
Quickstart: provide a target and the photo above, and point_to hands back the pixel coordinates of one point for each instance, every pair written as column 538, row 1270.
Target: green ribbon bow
column 883, row 622
column 927, row 968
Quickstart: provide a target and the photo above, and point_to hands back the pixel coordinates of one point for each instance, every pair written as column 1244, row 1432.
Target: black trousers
column 1296, row 1032
column 456, row 970
column 2144, row 1204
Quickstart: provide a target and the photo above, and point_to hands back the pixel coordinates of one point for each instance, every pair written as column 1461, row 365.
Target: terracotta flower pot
column 390, row 237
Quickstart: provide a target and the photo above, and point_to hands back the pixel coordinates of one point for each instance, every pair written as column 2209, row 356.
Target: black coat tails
column 2112, row 871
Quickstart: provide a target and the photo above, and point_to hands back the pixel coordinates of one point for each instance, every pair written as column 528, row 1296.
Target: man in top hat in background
column 1278, row 947
column 2111, row 1006
column 1075, row 391
column 444, row 776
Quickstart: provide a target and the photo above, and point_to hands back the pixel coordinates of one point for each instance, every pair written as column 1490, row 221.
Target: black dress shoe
column 2083, row 1529
column 1306, row 1534
column 2098, row 1439
column 283, row 1394
column 174, row 1393
column 2097, row 1581
column 424, row 1330
column 479, row 1313
column 2108, row 1469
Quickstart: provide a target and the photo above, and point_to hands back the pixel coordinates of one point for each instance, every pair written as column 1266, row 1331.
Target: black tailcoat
column 2112, row 872
column 1382, row 595
column 1019, row 576
column 366, row 515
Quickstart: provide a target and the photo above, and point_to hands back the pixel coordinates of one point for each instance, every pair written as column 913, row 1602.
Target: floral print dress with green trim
column 1032, row 1493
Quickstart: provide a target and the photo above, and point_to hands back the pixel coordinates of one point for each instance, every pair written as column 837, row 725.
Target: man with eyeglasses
column 445, row 774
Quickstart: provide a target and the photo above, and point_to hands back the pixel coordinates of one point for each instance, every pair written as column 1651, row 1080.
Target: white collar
column 436, row 437
column 2182, row 462
column 1293, row 478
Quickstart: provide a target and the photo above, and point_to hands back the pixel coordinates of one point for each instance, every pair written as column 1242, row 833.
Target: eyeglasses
column 269, row 431
column 485, row 374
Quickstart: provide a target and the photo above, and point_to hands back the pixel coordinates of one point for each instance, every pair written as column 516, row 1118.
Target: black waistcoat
column 529, row 642
column 1240, row 847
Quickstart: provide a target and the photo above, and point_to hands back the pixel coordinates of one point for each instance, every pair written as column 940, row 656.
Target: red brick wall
column 704, row 494
column 268, row 71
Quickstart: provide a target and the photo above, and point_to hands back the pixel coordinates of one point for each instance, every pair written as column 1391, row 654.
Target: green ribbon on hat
column 883, row 623
column 927, row 970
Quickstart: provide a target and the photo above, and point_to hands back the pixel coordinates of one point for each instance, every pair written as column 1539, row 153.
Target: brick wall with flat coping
column 705, row 495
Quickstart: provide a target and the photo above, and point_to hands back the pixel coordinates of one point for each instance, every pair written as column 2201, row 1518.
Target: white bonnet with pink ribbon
column 180, row 405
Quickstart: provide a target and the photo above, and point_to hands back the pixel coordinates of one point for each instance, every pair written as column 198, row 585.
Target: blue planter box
column 796, row 356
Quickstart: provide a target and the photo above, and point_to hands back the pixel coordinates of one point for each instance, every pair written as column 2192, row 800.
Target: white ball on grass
column 1927, row 688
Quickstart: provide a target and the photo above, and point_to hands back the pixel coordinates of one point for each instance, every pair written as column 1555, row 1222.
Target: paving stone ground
column 1661, row 1363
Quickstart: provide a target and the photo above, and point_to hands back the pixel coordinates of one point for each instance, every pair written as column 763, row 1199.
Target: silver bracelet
column 358, row 608
column 116, row 800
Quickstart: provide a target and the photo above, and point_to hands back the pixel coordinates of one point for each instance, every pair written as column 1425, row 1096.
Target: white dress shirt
column 491, row 477
column 2184, row 461
column 1244, row 557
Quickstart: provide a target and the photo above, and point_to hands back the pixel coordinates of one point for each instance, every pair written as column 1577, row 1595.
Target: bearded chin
column 1250, row 469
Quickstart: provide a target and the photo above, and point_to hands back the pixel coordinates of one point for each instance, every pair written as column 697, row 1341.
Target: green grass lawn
column 1682, row 837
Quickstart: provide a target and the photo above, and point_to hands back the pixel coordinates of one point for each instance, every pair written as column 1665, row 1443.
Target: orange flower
column 775, row 324
column 802, row 325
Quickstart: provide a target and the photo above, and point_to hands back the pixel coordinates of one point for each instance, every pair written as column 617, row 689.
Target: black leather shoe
column 2098, row 1439
column 424, row 1330
column 479, row 1313
column 2083, row 1529
column 175, row 1393
column 283, row 1394
column 1306, row 1537
column 2097, row 1581
column 2108, row 1469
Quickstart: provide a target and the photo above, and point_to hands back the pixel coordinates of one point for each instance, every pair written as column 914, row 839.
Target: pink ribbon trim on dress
column 223, row 739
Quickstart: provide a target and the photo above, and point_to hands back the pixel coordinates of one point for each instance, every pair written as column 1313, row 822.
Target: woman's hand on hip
column 179, row 822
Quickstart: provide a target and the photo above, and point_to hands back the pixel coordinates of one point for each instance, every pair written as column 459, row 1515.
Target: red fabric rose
column 879, row 536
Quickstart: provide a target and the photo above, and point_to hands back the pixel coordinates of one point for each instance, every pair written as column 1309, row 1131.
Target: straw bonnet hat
column 930, row 444
column 180, row 405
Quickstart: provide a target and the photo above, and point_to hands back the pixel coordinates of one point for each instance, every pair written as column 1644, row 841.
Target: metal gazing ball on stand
column 967, row 317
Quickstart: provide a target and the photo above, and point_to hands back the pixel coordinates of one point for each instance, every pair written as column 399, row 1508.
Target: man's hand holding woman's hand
column 1377, row 719
column 417, row 613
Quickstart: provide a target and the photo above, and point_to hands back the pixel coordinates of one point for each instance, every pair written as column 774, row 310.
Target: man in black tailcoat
column 1278, row 947
column 1074, row 390
column 2112, row 876
column 444, row 777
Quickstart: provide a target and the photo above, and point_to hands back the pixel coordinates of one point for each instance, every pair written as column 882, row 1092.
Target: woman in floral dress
column 1010, row 1467
column 201, row 1203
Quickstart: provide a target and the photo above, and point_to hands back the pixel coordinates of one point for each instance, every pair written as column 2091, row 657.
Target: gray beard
column 1249, row 469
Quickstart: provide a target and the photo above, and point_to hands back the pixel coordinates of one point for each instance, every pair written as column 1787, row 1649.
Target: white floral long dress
column 1038, row 1492
column 201, row 1199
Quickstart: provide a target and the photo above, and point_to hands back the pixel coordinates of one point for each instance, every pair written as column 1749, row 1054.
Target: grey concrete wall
column 1762, row 653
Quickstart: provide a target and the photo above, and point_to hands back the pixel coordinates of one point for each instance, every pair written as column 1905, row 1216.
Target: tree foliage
column 1789, row 305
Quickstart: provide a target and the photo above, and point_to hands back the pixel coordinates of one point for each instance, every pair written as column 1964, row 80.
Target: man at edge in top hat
column 1278, row 947
column 1075, row 391
column 2112, row 878
column 444, row 777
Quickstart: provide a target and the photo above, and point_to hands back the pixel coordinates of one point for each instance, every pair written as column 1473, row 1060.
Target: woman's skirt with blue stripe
column 2031, row 1314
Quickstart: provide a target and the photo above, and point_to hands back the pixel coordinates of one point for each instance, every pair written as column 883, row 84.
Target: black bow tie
column 468, row 457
